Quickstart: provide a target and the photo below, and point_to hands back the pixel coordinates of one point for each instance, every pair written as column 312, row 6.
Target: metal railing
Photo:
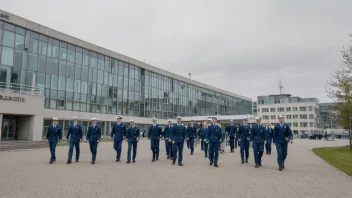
column 21, row 89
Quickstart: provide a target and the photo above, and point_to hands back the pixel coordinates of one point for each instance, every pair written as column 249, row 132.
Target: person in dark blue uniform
column 178, row 137
column 191, row 135
column 118, row 132
column 281, row 137
column 258, row 139
column 155, row 132
column 93, row 136
column 231, row 131
column 203, row 132
column 236, row 136
column 75, row 135
column 269, row 138
column 168, row 143
column 244, row 132
column 53, row 136
column 132, row 136
column 214, row 137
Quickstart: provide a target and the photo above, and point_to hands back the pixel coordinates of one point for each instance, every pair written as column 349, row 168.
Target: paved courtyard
column 28, row 174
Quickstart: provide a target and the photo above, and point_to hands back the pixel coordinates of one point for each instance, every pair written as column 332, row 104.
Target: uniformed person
column 231, row 130
column 269, row 138
column 214, row 137
column 155, row 132
column 75, row 135
column 132, row 136
column 203, row 135
column 200, row 135
column 168, row 143
column 93, row 137
column 53, row 136
column 236, row 136
column 178, row 137
column 118, row 132
column 191, row 135
column 258, row 139
column 244, row 132
column 281, row 137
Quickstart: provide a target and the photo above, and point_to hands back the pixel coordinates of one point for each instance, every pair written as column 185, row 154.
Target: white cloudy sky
column 235, row 45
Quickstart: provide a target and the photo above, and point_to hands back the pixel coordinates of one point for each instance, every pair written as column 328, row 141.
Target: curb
column 333, row 167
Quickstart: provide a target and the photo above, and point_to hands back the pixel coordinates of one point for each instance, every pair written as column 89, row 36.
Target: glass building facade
column 77, row 79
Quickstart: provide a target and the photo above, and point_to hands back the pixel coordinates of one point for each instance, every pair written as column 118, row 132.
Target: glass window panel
column 42, row 64
column 7, row 56
column 34, row 35
column 43, row 38
column 95, row 75
column 90, row 74
column 105, row 89
column 115, row 81
column 18, row 58
column 70, row 70
column 98, row 89
column 9, row 27
column 50, row 50
column 56, row 51
column 100, row 64
column 56, row 42
column 53, row 104
column 32, row 62
column 106, row 78
column 94, row 89
column 63, row 53
column 77, row 86
column 79, row 57
column 42, row 48
column 125, row 83
column 8, row 39
column 111, row 79
column 62, row 83
column 5, row 75
column 54, row 82
column 86, row 57
column 93, row 60
column 62, row 68
column 69, row 96
column 120, row 81
column 84, row 87
column 131, row 85
column 84, row 75
column 47, row 81
column 71, row 56
column 31, row 78
column 20, row 30
column 19, row 42
column 78, row 72
column 125, row 95
column 0, row 35
column 100, row 76
column 83, row 98
column 53, row 66
column 107, row 66
column 69, row 84
column 41, row 80
column 83, row 107
column 33, row 46
column 125, row 70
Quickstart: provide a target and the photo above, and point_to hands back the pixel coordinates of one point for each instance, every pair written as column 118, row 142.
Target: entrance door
column 8, row 129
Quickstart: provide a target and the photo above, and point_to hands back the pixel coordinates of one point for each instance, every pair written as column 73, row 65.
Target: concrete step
column 21, row 145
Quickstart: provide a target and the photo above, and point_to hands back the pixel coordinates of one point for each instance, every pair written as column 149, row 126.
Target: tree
column 340, row 91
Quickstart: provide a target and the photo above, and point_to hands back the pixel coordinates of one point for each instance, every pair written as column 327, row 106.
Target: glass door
column 5, row 129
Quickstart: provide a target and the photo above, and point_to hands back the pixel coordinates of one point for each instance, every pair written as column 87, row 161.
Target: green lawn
column 339, row 157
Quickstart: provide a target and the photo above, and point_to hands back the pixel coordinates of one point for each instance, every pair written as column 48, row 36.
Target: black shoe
column 77, row 160
column 260, row 164
column 242, row 162
column 168, row 157
column 69, row 162
column 134, row 161
column 54, row 160
column 157, row 157
column 283, row 166
column 173, row 162
column 246, row 160
column 153, row 160
column 117, row 159
column 191, row 153
column 257, row 166
column 280, row 168
column 216, row 165
column 171, row 158
column 211, row 163
column 205, row 156
column 180, row 164
column 51, row 162
column 93, row 162
column 128, row 162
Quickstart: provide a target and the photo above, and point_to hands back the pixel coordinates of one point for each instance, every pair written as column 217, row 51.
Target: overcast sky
column 235, row 45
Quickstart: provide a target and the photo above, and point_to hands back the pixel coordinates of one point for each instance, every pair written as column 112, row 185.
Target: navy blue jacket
column 203, row 132
column 214, row 133
column 178, row 133
column 244, row 133
column 75, row 132
column 132, row 133
column 282, row 134
column 258, row 134
column 269, row 133
column 191, row 131
column 93, row 134
column 167, row 131
column 118, row 131
column 54, row 134
column 154, row 132
column 231, row 130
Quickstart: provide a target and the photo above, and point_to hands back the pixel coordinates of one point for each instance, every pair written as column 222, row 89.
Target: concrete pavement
column 28, row 174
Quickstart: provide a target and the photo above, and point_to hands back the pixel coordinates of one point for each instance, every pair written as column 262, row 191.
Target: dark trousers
column 232, row 143
column 258, row 149
column 93, row 145
column 70, row 150
column 154, row 145
column 201, row 144
column 52, row 147
column 167, row 147
column 118, row 148
column 205, row 147
column 268, row 145
column 178, row 147
column 244, row 145
column 188, row 144
column 214, row 151
column 236, row 141
column 134, row 145
column 171, row 150
column 191, row 143
column 281, row 149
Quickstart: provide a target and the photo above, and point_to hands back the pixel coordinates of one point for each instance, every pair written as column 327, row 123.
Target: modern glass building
column 76, row 78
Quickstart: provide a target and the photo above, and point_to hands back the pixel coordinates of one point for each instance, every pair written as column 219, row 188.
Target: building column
column 1, row 115
column 108, row 128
